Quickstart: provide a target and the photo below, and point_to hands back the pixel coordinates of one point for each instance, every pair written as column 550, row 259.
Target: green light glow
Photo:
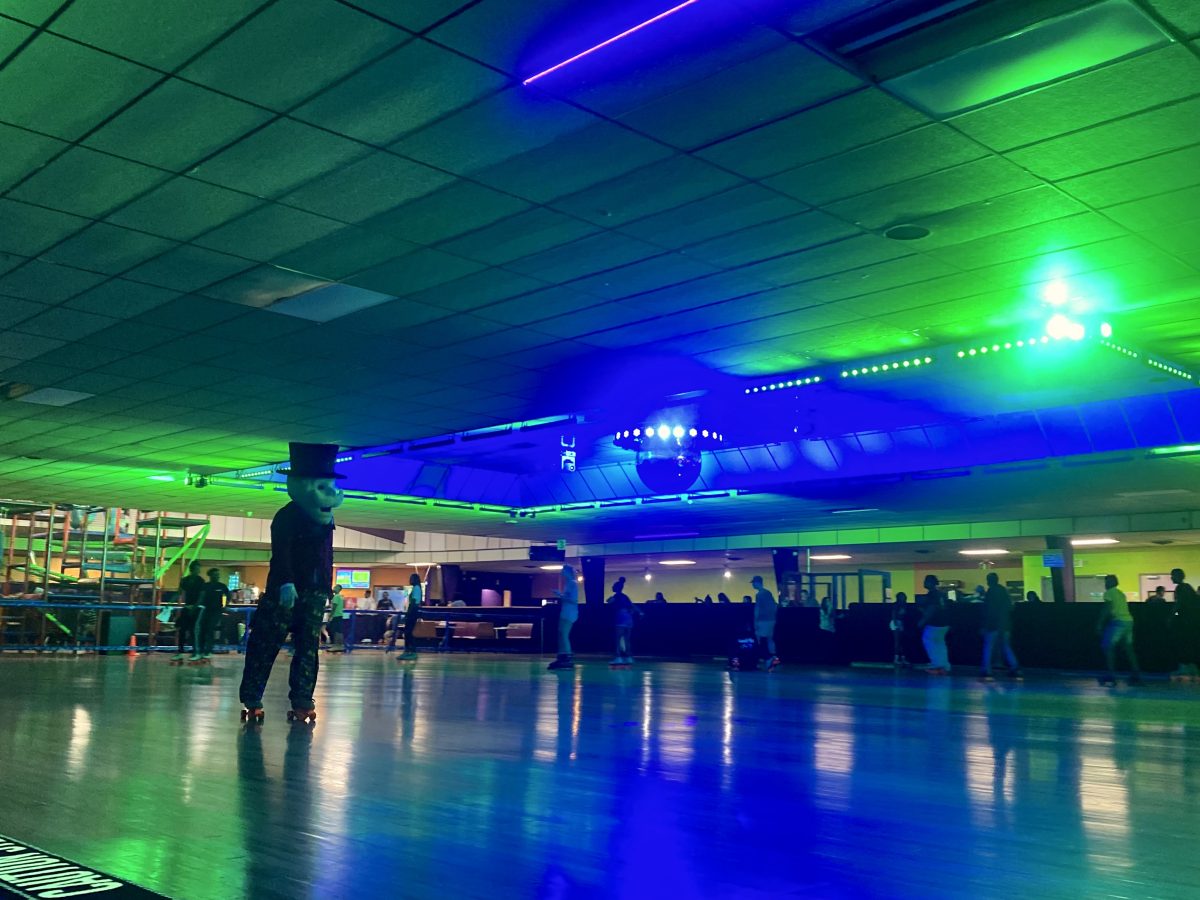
column 162, row 477
column 1177, row 450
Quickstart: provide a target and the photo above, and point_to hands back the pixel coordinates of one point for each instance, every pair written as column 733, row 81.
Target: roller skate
column 562, row 661
column 252, row 715
column 773, row 664
column 302, row 716
column 620, row 662
column 1016, row 675
column 198, row 659
column 179, row 659
column 407, row 656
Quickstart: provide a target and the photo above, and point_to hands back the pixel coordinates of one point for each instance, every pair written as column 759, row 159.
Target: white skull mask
column 318, row 497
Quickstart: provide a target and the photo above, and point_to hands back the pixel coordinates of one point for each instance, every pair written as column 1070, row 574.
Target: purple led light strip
column 612, row 40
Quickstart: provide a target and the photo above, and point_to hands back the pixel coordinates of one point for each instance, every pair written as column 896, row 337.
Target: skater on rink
column 412, row 609
column 214, row 596
column 623, row 613
column 299, row 582
column 191, row 586
column 766, row 611
column 1116, row 630
column 568, row 613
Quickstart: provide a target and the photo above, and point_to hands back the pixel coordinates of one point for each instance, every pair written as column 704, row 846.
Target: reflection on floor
column 476, row 776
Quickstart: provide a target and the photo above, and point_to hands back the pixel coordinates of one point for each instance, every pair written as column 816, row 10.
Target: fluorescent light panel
column 1093, row 542
column 993, row 551
column 825, row 556
column 1047, row 52
column 676, row 562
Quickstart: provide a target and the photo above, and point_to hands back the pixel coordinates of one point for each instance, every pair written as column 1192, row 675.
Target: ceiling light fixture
column 557, row 568
column 1092, row 542
column 676, row 562
column 162, row 477
column 727, row 574
column 612, row 40
column 852, row 510
column 820, row 557
column 991, row 551
column 647, row 575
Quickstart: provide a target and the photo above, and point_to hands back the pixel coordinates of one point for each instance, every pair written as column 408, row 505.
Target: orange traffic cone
column 132, row 651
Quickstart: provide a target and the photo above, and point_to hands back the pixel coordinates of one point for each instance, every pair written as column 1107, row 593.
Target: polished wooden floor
column 475, row 776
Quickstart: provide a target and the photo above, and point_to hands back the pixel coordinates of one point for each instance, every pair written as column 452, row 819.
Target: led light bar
column 887, row 366
column 609, row 42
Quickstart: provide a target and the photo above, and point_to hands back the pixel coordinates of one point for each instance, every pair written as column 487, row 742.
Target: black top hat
column 313, row 460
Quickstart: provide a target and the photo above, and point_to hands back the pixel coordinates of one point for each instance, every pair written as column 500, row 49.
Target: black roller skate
column 252, row 715
column 562, row 661
column 302, row 716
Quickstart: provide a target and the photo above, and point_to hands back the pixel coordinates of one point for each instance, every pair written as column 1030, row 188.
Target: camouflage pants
column 268, row 628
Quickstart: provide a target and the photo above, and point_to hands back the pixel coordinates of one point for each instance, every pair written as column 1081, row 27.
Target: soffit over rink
column 667, row 203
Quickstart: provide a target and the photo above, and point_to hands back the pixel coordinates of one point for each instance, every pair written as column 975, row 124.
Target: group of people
column 1114, row 627
column 202, row 605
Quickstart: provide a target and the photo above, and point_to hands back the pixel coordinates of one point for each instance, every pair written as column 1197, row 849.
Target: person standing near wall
column 191, row 586
column 337, row 617
column 766, row 611
column 997, row 628
column 623, row 612
column 1116, row 630
column 568, row 614
column 1187, row 627
column 935, row 622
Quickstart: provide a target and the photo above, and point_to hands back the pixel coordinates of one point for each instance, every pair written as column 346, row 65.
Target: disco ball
column 668, row 472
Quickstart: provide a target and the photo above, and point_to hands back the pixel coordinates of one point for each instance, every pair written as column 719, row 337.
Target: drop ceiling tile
column 919, row 198
column 291, row 50
column 14, row 311
column 414, row 272
column 518, row 235
column 477, row 290
column 1027, row 242
column 64, row 89
column 159, row 33
column 661, row 186
column 193, row 314
column 344, row 252
column 647, row 275
column 854, row 252
column 1020, row 209
column 585, row 256
column 1135, row 180
column 176, row 125
column 44, row 282
column 24, row 152
column 772, row 239
column 33, row 12
column 278, row 158
column 1112, row 143
column 887, row 162
column 28, row 230
column 404, row 91
column 1125, row 87
column 16, row 345
column 87, row 183
column 371, row 185
column 1174, row 207
column 572, row 162
column 183, row 208
column 66, row 323
column 451, row 211
column 534, row 307
column 723, row 213
column 108, row 249
column 514, row 123
column 188, row 268
column 268, row 231
column 834, row 127
column 261, row 286
column 737, row 98
column 121, row 298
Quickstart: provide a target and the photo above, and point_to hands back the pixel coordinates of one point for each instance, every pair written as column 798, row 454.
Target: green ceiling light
column 162, row 477
column 1056, row 292
column 1105, row 330
column 1177, row 450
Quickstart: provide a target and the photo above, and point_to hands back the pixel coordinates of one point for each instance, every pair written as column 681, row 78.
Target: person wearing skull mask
column 299, row 582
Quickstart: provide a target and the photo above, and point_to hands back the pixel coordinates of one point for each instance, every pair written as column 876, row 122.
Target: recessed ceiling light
column 859, row 509
column 906, row 232
column 676, row 562
column 557, row 568
column 328, row 302
column 991, row 551
column 162, row 477
column 823, row 556
column 1092, row 542
column 414, row 565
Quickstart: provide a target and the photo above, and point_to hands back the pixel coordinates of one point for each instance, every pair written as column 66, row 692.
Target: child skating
column 766, row 611
column 623, row 615
column 568, row 614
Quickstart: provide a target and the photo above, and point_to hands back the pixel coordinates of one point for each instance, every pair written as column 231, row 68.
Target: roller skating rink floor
column 475, row 775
